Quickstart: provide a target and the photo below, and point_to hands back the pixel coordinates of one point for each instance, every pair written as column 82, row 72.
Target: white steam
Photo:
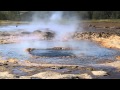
column 56, row 16
column 55, row 21
column 61, row 26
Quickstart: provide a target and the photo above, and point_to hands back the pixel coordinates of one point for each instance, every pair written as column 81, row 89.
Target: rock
column 29, row 49
column 60, row 67
column 67, row 48
column 28, row 77
column 26, row 70
column 24, row 77
column 85, row 76
column 6, row 75
column 34, row 78
column 76, row 76
column 112, row 27
column 25, row 33
column 5, row 64
column 117, row 27
column 67, row 56
column 26, row 61
column 118, row 57
column 2, row 68
column 3, row 61
column 89, row 25
column 99, row 73
column 54, row 68
column 5, row 34
column 90, row 68
column 47, row 75
column 14, row 61
column 57, row 48
column 17, row 76
column 57, row 67
column 48, row 34
column 74, row 67
column 55, row 75
column 60, row 48
column 37, row 32
column 106, row 27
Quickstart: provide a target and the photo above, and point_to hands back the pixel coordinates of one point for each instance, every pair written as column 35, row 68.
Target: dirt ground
column 107, row 34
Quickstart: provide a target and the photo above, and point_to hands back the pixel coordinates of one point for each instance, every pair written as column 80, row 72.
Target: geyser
column 58, row 24
column 56, row 16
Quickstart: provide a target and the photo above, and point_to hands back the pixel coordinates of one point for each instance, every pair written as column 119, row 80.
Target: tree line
column 100, row 14
column 9, row 15
column 16, row 15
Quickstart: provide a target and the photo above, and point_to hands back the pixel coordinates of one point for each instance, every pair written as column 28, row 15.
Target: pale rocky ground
column 92, row 71
column 111, row 42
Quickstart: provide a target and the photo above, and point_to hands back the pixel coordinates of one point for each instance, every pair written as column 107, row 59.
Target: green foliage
column 95, row 15
column 9, row 15
column 105, row 15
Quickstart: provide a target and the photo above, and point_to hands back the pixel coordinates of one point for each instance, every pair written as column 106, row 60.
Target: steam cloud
column 61, row 26
column 55, row 21
column 56, row 16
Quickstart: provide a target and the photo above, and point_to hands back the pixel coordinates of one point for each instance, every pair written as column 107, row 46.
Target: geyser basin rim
column 50, row 53
column 54, row 48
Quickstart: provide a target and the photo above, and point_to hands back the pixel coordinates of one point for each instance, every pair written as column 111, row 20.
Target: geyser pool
column 87, row 52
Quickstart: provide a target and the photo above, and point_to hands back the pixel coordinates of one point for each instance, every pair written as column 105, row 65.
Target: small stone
column 35, row 78
column 74, row 67
column 99, row 73
column 53, row 67
column 13, row 61
column 60, row 67
column 3, row 61
column 2, row 68
column 24, row 77
column 118, row 57
column 90, row 68
column 57, row 67
column 6, row 75
column 5, row 64
column 26, row 61
column 17, row 76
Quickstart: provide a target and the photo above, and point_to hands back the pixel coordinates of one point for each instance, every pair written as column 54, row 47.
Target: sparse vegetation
column 85, row 15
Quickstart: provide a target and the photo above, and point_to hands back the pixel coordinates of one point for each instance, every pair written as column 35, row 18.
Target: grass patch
column 103, row 20
column 13, row 22
column 62, row 21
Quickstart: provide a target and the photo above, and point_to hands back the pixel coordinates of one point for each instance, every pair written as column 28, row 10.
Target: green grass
column 12, row 22
column 102, row 20
column 62, row 21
